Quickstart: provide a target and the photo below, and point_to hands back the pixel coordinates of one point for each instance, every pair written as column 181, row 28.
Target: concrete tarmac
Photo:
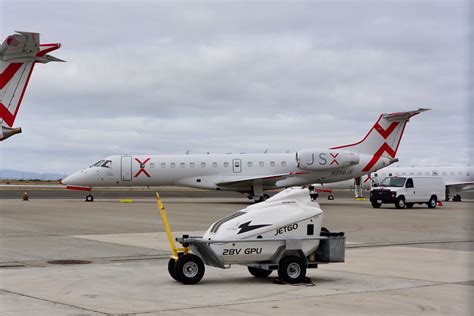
column 398, row 262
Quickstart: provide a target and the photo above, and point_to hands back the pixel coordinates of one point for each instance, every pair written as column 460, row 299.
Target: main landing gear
column 89, row 198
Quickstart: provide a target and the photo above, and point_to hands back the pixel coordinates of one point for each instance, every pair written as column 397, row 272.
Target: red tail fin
column 18, row 55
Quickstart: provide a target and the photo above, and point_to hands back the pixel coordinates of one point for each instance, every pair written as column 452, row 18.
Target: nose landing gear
column 89, row 198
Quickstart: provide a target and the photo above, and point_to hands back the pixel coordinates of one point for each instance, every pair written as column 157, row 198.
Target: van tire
column 376, row 205
column 410, row 205
column 400, row 202
column 432, row 202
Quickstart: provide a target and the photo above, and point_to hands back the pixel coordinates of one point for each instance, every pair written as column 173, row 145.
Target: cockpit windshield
column 103, row 164
column 393, row 182
column 107, row 164
column 98, row 163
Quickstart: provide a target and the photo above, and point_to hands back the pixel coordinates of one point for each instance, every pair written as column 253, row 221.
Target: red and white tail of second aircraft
column 18, row 55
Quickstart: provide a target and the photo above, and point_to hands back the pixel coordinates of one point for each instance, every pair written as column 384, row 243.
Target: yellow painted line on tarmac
column 127, row 201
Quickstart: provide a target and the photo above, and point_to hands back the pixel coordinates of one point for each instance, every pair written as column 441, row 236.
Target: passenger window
column 203, row 165
column 261, row 164
column 191, row 165
column 444, row 173
column 249, row 164
column 226, row 164
column 283, row 163
column 409, row 183
column 173, row 165
column 214, row 165
column 272, row 164
column 182, row 165
column 163, row 165
column 152, row 165
column 375, row 174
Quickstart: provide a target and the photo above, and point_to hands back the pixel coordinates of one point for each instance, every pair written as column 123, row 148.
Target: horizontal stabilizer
column 403, row 116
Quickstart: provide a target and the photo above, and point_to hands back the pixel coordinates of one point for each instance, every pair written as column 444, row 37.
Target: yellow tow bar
column 176, row 251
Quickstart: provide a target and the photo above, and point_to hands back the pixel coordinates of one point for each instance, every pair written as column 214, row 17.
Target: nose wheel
column 89, row 198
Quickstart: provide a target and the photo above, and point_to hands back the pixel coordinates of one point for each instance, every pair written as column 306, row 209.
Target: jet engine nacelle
column 324, row 160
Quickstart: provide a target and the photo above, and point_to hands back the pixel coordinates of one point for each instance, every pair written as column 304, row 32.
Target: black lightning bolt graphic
column 246, row 227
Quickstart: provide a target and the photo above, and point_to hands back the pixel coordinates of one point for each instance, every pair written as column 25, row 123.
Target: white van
column 406, row 191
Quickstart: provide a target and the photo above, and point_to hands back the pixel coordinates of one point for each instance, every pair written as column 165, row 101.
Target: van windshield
column 393, row 182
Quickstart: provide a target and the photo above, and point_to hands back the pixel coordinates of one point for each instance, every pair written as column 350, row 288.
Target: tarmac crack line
column 54, row 302
column 285, row 299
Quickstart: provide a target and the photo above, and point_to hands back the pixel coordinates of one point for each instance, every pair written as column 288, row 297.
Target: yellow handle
column 167, row 226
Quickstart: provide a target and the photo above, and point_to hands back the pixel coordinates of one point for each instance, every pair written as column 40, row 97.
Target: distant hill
column 6, row 174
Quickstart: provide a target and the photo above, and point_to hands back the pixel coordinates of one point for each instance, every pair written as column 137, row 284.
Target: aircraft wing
column 266, row 181
column 460, row 186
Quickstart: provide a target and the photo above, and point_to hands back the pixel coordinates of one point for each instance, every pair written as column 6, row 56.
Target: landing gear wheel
column 292, row 269
column 171, row 268
column 189, row 269
column 259, row 273
column 400, row 202
column 89, row 198
column 410, row 205
column 376, row 205
column 330, row 197
column 432, row 202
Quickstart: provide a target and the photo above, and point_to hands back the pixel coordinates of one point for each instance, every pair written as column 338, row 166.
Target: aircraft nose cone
column 75, row 179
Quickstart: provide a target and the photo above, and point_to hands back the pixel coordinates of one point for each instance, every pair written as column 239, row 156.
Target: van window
column 409, row 183
column 393, row 182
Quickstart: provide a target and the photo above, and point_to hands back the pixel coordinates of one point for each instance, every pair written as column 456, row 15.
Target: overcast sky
column 167, row 77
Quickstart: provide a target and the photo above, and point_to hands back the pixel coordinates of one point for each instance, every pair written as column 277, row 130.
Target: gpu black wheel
column 292, row 269
column 259, row 273
column 189, row 269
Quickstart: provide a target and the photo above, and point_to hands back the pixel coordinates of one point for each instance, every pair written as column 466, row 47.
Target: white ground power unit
column 282, row 233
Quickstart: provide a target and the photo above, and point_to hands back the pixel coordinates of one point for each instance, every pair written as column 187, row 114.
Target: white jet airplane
column 251, row 174
column 18, row 55
column 456, row 179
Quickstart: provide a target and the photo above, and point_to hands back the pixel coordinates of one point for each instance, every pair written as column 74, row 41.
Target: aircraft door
column 126, row 168
column 237, row 165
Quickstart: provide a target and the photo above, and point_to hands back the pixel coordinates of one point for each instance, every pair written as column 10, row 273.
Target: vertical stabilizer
column 18, row 55
column 384, row 137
